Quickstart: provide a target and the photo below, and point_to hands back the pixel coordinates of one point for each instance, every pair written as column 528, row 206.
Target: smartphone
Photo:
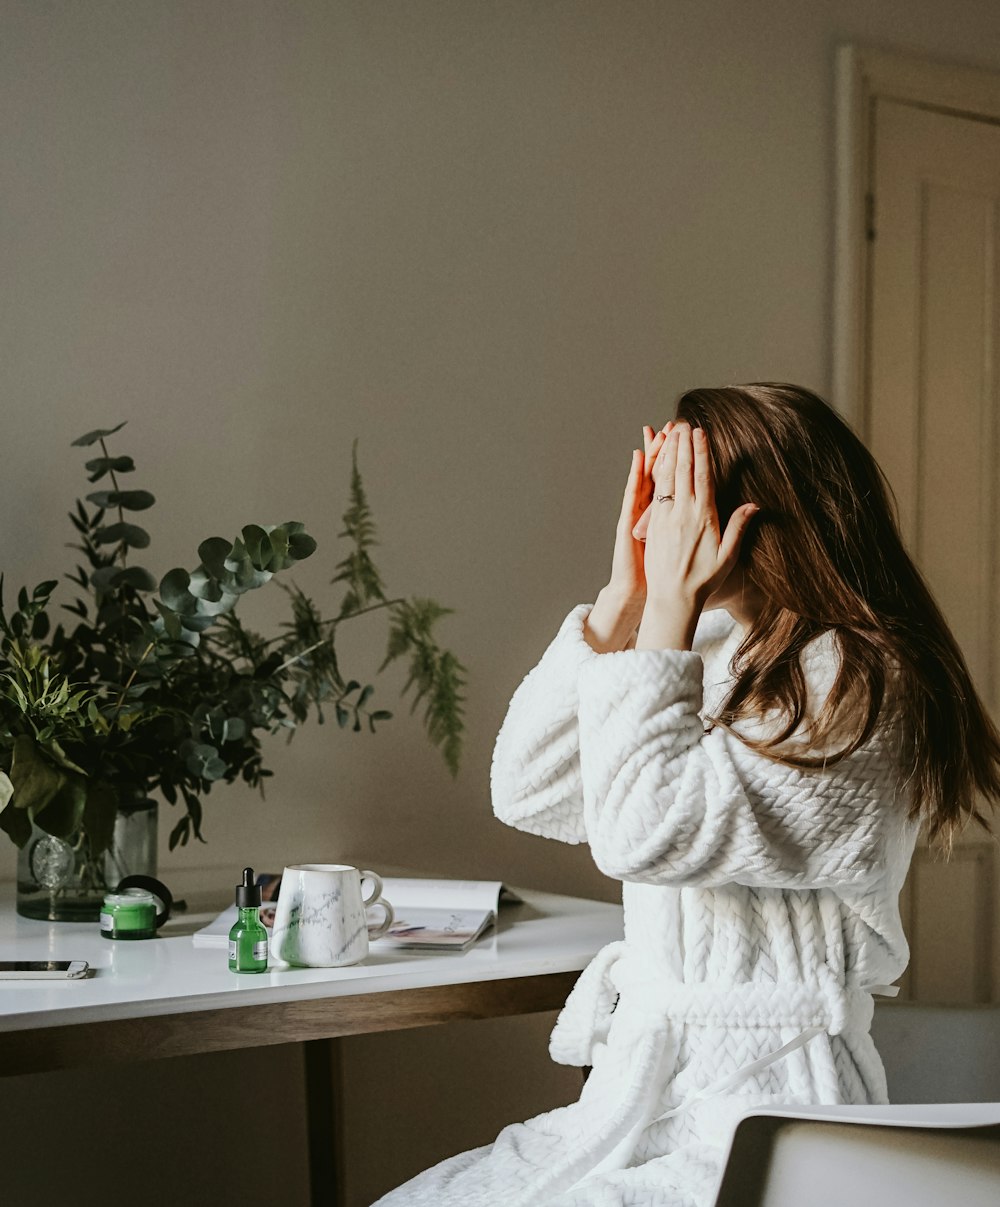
column 48, row 970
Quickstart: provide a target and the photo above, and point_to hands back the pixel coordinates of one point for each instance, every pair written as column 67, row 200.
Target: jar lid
column 130, row 896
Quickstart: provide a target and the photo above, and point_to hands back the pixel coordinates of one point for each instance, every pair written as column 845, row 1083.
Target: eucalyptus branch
column 123, row 547
column 123, row 552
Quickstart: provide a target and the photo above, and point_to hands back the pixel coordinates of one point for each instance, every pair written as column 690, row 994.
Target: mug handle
column 382, row 927
column 376, row 879
column 377, row 899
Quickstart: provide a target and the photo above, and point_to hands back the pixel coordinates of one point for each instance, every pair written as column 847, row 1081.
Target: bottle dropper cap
column 248, row 893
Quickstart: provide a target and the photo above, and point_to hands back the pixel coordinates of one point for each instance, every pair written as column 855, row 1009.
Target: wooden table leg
column 318, row 1057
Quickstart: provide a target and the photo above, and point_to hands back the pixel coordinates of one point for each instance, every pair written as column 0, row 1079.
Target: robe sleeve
column 535, row 778
column 668, row 802
column 535, row 773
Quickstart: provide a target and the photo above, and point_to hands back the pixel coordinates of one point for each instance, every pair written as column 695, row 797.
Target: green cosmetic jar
column 131, row 912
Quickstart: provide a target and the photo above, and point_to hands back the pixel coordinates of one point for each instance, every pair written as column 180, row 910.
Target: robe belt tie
column 825, row 1003
column 648, row 995
column 621, row 988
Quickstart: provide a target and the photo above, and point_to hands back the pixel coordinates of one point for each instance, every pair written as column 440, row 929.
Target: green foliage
column 357, row 569
column 156, row 685
column 436, row 672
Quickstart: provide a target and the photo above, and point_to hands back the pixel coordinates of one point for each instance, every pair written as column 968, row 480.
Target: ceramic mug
column 320, row 921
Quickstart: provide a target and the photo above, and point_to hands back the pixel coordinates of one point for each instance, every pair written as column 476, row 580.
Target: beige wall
column 491, row 240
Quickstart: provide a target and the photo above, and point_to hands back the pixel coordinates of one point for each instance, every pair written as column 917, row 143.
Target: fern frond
column 364, row 584
column 438, row 674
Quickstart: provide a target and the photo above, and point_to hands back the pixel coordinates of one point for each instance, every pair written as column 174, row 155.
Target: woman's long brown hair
column 825, row 551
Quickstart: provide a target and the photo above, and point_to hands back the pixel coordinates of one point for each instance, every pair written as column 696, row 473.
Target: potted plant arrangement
column 157, row 689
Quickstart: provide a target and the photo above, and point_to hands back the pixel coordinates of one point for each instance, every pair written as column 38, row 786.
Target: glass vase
column 60, row 880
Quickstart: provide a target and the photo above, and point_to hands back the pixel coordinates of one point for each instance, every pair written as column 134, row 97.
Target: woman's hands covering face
column 628, row 578
column 685, row 556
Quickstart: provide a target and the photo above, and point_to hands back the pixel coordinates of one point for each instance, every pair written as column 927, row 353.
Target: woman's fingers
column 684, row 473
column 729, row 546
column 630, row 498
column 665, row 468
column 704, row 487
column 652, row 451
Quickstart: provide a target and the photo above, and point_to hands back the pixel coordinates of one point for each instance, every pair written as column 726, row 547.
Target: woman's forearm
column 668, row 624
column 612, row 622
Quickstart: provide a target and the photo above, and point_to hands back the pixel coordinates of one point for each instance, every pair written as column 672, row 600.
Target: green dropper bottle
column 248, row 938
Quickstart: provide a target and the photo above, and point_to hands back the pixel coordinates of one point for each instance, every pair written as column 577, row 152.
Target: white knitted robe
column 760, row 907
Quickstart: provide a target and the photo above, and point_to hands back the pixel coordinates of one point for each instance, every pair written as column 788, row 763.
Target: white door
column 931, row 422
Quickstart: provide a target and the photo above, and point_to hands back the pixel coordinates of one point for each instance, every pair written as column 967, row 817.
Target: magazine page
column 418, row 892
column 436, row 929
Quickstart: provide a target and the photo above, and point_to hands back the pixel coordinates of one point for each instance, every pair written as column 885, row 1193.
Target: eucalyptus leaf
column 105, row 465
column 127, row 534
column 301, row 545
column 135, row 577
column 130, row 500
column 204, row 761
column 174, row 591
column 204, row 587
column 258, row 546
column 237, row 555
column 278, row 540
column 196, row 623
column 101, row 579
column 217, row 607
column 170, row 620
column 136, row 500
column 97, row 434
column 213, row 554
column 6, row 789
column 248, row 577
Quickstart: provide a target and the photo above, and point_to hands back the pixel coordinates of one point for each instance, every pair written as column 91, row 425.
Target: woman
column 748, row 727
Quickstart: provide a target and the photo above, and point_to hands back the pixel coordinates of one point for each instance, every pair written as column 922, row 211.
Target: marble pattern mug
column 320, row 921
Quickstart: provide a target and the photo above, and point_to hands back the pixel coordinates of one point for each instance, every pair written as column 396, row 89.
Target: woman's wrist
column 669, row 623
column 612, row 620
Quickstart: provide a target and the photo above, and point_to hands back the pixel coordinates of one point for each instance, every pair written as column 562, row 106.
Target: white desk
column 165, row 997
column 545, row 941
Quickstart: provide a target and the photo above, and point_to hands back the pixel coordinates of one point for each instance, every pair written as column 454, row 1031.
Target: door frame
column 863, row 74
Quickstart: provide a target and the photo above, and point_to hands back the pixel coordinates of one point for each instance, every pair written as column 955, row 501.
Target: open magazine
column 433, row 915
